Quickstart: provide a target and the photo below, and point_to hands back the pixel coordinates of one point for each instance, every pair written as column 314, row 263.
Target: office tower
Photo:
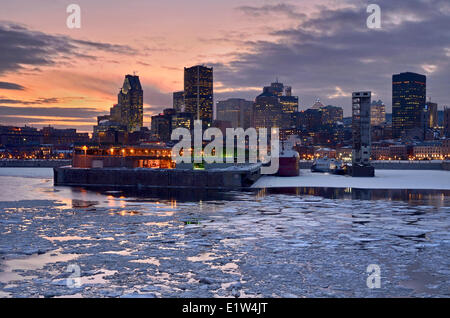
column 431, row 115
column 198, row 93
column 377, row 113
column 178, row 101
column 131, row 102
column 408, row 102
column 447, row 122
column 289, row 105
column 161, row 125
column 331, row 115
column 237, row 111
column 273, row 109
column 309, row 120
column 115, row 114
column 183, row 120
column 361, row 132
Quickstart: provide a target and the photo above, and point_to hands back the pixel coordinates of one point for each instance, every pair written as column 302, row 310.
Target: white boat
column 326, row 165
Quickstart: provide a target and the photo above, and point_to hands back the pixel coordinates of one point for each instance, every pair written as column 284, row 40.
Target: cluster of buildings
column 416, row 129
column 195, row 102
column 32, row 143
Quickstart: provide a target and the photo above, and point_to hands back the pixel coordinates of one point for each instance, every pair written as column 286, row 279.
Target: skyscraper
column 124, row 117
column 447, row 122
column 361, row 131
column 431, row 115
column 331, row 115
column 273, row 109
column 130, row 103
column 198, row 93
column 237, row 111
column 408, row 102
column 178, row 101
column 161, row 125
column 377, row 113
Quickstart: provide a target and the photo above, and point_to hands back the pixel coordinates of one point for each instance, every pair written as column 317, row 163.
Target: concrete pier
column 229, row 178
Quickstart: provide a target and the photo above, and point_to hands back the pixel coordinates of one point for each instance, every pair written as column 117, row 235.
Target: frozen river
column 303, row 241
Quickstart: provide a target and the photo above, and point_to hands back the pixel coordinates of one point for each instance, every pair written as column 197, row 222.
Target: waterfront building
column 408, row 102
column 19, row 136
column 430, row 150
column 143, row 156
column 67, row 137
column 198, row 93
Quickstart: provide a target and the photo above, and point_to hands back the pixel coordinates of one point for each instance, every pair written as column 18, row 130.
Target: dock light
column 131, row 150
column 111, row 150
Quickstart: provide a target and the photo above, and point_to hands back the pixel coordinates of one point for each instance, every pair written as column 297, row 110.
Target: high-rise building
column 273, row 109
column 431, row 115
column 408, row 102
column 183, row 120
column 198, row 93
column 447, row 122
column 309, row 120
column 178, row 101
column 377, row 113
column 361, row 132
column 127, row 116
column 131, row 103
column 237, row 111
column 161, row 125
column 331, row 115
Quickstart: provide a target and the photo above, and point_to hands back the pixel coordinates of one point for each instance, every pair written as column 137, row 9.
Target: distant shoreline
column 36, row 163
column 304, row 164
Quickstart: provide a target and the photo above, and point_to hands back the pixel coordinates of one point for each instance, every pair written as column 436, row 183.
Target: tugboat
column 289, row 163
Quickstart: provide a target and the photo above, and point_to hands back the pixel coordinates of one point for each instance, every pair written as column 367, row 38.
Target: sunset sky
column 53, row 75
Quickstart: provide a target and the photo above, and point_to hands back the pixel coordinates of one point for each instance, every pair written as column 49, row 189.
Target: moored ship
column 289, row 163
column 329, row 165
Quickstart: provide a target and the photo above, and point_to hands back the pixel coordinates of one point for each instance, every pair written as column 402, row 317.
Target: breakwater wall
column 242, row 177
column 18, row 163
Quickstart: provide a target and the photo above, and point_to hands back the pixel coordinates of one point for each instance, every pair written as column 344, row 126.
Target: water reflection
column 171, row 196
column 436, row 198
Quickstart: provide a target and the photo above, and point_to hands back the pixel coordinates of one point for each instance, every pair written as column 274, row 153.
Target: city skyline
column 66, row 78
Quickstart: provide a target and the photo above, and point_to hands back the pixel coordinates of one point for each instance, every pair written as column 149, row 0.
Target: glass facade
column 198, row 92
column 130, row 101
column 408, row 102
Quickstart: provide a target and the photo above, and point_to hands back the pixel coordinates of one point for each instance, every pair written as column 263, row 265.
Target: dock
column 232, row 177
